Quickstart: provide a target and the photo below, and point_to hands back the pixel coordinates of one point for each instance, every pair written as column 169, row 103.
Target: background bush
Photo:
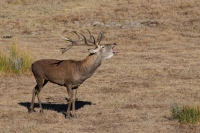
column 186, row 114
column 17, row 61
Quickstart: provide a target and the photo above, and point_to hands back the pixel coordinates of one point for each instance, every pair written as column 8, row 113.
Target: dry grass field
column 158, row 65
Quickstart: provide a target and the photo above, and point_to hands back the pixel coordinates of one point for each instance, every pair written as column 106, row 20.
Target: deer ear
column 92, row 51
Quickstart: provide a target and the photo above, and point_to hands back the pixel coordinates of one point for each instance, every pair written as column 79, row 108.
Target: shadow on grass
column 56, row 107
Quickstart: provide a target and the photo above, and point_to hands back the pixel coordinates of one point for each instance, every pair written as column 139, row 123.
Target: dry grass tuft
column 186, row 114
column 18, row 61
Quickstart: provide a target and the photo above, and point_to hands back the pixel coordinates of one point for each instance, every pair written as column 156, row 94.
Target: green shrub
column 186, row 114
column 18, row 61
column 4, row 63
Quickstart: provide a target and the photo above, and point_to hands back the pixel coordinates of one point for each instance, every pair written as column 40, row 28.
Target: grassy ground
column 158, row 64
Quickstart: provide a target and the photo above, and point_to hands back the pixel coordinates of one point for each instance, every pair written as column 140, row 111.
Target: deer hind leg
column 36, row 91
column 41, row 84
column 31, row 109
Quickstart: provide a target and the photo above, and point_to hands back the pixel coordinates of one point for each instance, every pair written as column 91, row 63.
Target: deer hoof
column 74, row 116
column 67, row 116
column 31, row 110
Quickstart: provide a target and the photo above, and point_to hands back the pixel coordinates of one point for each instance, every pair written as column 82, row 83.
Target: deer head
column 105, row 51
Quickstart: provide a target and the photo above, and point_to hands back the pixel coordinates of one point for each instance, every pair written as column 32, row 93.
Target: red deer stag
column 70, row 73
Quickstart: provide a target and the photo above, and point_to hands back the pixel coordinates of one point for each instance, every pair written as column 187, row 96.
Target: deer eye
column 102, row 46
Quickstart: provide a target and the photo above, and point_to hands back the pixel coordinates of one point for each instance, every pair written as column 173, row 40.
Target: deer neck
column 90, row 64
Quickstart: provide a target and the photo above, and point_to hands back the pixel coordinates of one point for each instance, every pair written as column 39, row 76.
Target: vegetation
column 18, row 61
column 186, row 114
column 158, row 64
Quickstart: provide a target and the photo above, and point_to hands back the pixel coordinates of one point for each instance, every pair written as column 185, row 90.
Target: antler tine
column 68, row 39
column 100, row 36
column 77, row 32
column 65, row 49
column 68, row 47
column 92, row 37
column 86, row 41
column 89, row 33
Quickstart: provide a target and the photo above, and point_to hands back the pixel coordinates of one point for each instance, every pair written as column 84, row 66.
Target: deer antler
column 73, row 42
column 69, row 46
column 94, row 42
column 91, row 37
column 100, row 36
column 77, row 33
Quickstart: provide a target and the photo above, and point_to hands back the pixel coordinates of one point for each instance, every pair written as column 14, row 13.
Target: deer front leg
column 70, row 94
column 74, row 91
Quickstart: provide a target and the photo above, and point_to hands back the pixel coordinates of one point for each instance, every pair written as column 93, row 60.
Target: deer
column 70, row 73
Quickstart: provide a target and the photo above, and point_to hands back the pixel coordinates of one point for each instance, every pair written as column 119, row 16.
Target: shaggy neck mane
column 90, row 63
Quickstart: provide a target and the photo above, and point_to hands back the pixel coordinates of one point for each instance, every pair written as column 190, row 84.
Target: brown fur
column 68, row 73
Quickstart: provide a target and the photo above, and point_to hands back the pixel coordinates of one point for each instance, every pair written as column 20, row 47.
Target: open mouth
column 114, row 51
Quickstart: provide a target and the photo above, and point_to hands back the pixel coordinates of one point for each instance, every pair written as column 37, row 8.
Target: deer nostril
column 115, row 44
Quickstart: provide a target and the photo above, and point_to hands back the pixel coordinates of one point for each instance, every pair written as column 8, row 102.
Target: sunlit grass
column 18, row 61
column 4, row 63
column 186, row 114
